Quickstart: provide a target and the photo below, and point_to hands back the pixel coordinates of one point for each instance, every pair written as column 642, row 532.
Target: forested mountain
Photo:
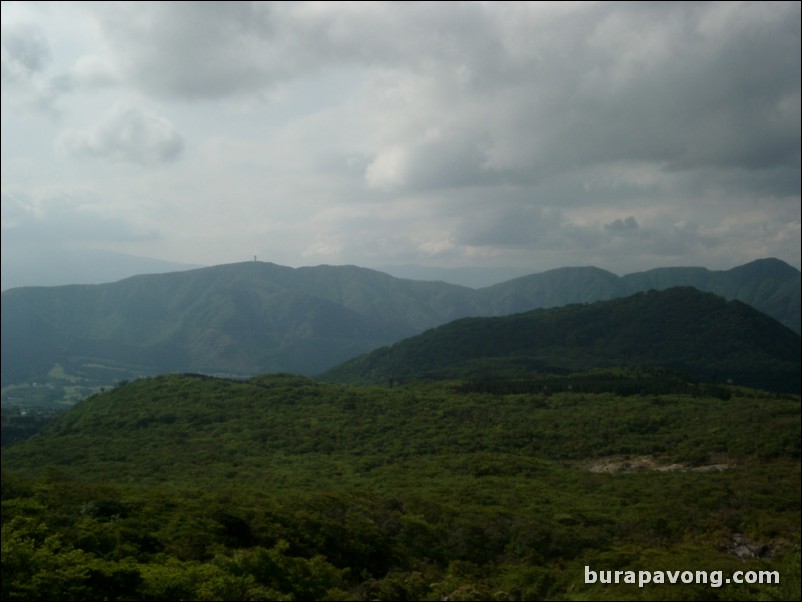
column 681, row 328
column 243, row 318
column 258, row 317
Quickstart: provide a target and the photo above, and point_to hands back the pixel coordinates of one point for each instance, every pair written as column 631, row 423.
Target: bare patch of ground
column 647, row 463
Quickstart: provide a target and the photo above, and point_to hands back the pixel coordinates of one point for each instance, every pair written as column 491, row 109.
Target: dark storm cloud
column 26, row 55
column 684, row 88
column 189, row 49
column 219, row 49
column 25, row 51
column 670, row 83
column 542, row 90
column 625, row 225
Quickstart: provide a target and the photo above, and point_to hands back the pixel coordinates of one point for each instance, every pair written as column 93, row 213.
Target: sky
column 539, row 135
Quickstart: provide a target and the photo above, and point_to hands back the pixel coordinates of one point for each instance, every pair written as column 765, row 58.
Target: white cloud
column 126, row 134
column 91, row 70
column 388, row 169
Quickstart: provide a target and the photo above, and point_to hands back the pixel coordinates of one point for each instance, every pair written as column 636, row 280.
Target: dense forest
column 283, row 487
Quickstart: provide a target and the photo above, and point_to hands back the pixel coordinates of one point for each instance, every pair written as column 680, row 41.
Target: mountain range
column 259, row 317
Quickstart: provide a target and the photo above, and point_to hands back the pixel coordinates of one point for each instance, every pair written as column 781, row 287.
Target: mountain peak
column 770, row 267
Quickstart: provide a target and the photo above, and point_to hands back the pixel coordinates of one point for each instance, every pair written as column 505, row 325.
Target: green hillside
column 683, row 329
column 281, row 487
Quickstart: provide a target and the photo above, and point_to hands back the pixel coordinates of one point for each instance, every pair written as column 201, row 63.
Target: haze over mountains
column 258, row 317
column 41, row 265
column 473, row 277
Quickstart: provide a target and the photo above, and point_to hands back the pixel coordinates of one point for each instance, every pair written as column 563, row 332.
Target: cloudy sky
column 622, row 135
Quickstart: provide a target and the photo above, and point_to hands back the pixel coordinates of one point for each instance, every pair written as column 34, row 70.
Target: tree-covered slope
column 697, row 333
column 281, row 487
column 188, row 426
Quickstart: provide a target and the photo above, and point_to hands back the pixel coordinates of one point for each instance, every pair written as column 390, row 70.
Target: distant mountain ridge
column 257, row 317
column 473, row 277
column 681, row 328
column 770, row 285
